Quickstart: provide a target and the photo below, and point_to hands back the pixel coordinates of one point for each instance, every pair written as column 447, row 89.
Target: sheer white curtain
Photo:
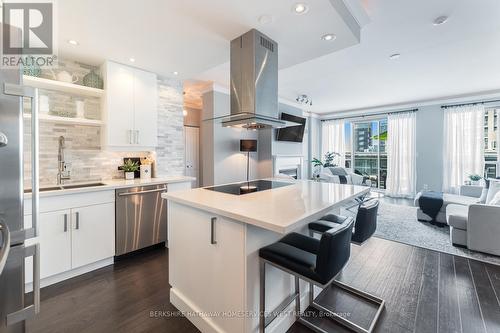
column 333, row 138
column 401, row 155
column 463, row 145
column 498, row 142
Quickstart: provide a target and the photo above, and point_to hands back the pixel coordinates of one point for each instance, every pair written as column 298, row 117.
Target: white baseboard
column 70, row 274
column 204, row 324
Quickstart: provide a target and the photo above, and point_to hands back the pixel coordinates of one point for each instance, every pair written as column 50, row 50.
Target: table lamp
column 248, row 146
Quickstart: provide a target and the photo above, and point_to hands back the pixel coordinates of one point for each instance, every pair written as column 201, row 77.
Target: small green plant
column 475, row 177
column 316, row 162
column 130, row 166
column 329, row 160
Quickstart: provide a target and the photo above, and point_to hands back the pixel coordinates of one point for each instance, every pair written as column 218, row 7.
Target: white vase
column 80, row 109
column 129, row 175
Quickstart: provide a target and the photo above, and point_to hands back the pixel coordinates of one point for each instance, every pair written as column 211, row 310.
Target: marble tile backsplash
column 89, row 161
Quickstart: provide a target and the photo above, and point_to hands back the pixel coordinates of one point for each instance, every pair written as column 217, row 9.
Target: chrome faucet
column 63, row 170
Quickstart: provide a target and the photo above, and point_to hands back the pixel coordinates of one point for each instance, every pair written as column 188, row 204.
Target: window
column 365, row 150
column 490, row 142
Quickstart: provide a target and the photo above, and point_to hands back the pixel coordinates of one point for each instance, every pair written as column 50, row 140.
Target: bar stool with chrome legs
column 364, row 227
column 317, row 261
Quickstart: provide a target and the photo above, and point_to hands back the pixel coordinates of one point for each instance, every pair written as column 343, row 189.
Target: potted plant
column 129, row 168
column 475, row 178
column 329, row 162
column 330, row 159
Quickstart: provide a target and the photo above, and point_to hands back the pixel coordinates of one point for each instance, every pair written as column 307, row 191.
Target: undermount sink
column 66, row 187
column 43, row 189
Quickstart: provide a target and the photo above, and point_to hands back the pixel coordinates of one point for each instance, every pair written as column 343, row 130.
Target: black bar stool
column 364, row 227
column 317, row 261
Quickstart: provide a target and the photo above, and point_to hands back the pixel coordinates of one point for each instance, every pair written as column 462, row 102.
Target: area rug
column 399, row 223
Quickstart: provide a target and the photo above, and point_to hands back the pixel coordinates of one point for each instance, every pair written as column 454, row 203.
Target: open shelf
column 65, row 87
column 67, row 120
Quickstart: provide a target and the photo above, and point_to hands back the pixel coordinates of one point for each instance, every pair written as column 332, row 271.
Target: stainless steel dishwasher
column 141, row 217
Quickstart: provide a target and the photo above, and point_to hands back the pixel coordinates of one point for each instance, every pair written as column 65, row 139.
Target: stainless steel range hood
column 254, row 83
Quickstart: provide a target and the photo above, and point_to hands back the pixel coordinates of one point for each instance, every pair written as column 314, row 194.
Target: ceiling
column 192, row 37
column 459, row 57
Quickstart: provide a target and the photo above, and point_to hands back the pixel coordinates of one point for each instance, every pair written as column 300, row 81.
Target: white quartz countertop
column 281, row 210
column 112, row 184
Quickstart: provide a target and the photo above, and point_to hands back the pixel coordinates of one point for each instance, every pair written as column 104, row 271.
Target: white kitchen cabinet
column 145, row 108
column 130, row 107
column 118, row 110
column 55, row 244
column 191, row 244
column 76, row 235
column 93, row 232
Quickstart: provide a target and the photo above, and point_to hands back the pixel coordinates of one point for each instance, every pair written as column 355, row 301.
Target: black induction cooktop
column 248, row 187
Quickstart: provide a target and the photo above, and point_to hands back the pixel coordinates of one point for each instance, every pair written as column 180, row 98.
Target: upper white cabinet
column 130, row 107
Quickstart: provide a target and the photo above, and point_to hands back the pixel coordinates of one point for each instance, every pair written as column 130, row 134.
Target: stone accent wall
column 170, row 151
column 89, row 162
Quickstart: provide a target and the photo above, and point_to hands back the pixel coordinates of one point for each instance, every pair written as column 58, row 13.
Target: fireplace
column 288, row 165
column 292, row 172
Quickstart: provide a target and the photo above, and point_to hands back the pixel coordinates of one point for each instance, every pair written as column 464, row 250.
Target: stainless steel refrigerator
column 14, row 310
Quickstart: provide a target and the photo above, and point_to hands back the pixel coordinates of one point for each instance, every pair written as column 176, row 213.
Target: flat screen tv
column 292, row 133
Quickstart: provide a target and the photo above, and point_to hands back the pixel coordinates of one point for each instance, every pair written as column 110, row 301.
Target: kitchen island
column 214, row 239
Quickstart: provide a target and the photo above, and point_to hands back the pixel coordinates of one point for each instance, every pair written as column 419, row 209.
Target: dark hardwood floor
column 116, row 298
column 425, row 291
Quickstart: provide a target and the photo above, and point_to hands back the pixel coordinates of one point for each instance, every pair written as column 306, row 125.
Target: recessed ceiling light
column 440, row 20
column 132, row 59
column 394, row 56
column 72, row 42
column 266, row 19
column 329, row 37
column 300, row 8
column 175, row 73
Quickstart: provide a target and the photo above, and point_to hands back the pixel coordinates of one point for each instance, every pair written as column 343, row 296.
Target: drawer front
column 67, row 201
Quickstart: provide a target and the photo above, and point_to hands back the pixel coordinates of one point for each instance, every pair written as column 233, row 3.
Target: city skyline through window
column 369, row 156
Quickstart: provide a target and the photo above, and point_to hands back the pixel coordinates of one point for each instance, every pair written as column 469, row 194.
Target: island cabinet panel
column 207, row 262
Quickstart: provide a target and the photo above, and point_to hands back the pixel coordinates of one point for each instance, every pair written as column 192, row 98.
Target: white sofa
column 351, row 177
column 475, row 226
column 468, row 195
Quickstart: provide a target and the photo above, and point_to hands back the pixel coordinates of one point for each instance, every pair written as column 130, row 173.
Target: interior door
column 93, row 230
column 192, row 160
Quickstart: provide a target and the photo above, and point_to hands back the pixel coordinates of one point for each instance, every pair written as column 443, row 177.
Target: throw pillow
column 496, row 200
column 338, row 171
column 494, row 189
column 484, row 193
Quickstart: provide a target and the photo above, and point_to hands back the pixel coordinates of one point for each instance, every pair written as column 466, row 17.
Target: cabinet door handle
column 212, row 231
column 129, row 136
column 65, row 222
column 77, row 223
column 137, row 137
